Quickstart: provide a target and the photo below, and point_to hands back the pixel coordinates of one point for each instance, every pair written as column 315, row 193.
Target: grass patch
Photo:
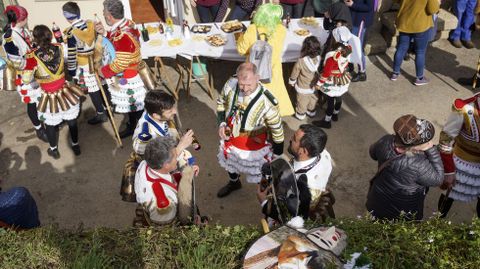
column 430, row 244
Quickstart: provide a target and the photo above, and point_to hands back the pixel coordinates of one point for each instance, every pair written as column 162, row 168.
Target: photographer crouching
column 310, row 167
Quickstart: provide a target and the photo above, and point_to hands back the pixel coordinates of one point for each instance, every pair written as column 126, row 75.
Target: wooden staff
column 107, row 104
column 474, row 85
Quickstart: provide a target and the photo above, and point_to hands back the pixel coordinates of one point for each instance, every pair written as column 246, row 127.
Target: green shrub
column 430, row 244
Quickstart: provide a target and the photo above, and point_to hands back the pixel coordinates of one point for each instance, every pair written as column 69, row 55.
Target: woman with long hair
column 267, row 25
column 17, row 43
column 59, row 100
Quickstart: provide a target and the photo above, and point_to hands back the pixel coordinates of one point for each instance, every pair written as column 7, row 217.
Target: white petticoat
column 54, row 119
column 467, row 185
column 334, row 90
column 248, row 162
column 31, row 90
column 89, row 79
column 122, row 99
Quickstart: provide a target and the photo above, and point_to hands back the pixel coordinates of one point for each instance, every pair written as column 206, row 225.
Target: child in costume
column 59, row 101
column 334, row 82
column 17, row 42
column 304, row 77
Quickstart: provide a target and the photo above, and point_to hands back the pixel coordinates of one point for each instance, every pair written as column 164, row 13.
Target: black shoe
column 335, row 117
column 323, row 123
column 468, row 44
column 455, row 43
column 360, row 76
column 76, row 150
column 54, row 153
column 227, row 189
column 99, row 118
column 128, row 131
column 42, row 134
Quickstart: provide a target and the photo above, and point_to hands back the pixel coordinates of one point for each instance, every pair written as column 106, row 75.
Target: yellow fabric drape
column 277, row 86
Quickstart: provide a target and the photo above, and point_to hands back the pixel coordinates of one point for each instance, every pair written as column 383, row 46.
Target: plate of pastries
column 152, row 29
column 201, row 29
column 232, row 26
column 216, row 40
column 302, row 32
column 309, row 21
column 175, row 42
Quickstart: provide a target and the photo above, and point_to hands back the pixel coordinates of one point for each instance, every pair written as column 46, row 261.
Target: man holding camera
column 312, row 166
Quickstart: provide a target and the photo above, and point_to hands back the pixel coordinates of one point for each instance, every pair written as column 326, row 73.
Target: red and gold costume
column 126, row 86
column 59, row 100
column 460, row 148
column 335, row 78
column 17, row 43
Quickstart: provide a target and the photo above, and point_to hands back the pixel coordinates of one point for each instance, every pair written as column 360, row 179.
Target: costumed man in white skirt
column 124, row 82
column 17, row 43
column 460, row 151
column 248, row 118
column 60, row 100
column 81, row 37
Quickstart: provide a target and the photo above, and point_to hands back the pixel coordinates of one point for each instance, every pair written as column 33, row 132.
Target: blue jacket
column 362, row 10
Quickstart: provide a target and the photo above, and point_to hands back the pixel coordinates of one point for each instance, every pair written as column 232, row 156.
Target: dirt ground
column 85, row 189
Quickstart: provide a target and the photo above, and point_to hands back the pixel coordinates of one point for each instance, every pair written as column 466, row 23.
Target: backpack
column 261, row 56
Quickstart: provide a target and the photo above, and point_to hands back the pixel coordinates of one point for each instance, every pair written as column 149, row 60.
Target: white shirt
column 317, row 176
column 146, row 196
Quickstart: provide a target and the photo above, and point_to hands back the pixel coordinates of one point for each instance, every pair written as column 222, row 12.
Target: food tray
column 201, row 29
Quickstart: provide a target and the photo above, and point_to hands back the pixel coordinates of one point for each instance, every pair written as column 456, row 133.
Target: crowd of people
column 159, row 172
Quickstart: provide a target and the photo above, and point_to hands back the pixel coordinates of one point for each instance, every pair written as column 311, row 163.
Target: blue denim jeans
column 207, row 14
column 421, row 42
column 465, row 12
column 360, row 31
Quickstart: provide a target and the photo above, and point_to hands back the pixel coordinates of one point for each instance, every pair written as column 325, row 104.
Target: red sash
column 162, row 200
column 53, row 86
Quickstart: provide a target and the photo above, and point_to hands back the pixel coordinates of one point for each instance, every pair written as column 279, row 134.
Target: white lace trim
column 467, row 186
column 248, row 162
column 54, row 119
column 120, row 98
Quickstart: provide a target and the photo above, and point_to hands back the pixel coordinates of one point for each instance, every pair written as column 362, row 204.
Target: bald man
column 250, row 128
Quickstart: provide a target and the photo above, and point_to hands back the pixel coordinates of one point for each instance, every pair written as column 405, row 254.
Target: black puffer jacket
column 402, row 185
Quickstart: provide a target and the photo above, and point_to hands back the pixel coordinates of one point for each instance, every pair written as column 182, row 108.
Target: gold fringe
column 52, row 101
column 61, row 101
column 146, row 75
column 69, row 96
column 76, row 90
column 42, row 105
column 9, row 76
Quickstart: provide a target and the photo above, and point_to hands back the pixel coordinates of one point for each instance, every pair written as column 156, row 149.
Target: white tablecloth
column 189, row 48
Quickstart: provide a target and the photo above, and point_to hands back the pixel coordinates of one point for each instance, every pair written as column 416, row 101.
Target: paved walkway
column 85, row 189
